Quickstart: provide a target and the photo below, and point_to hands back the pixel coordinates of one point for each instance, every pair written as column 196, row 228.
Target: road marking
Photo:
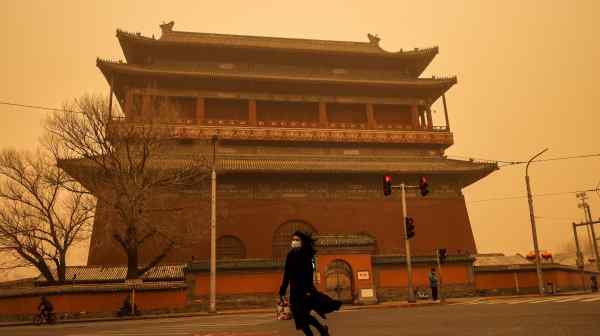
column 569, row 299
column 524, row 301
column 597, row 298
column 548, row 300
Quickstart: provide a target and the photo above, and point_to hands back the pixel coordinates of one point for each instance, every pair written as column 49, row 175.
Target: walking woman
column 304, row 297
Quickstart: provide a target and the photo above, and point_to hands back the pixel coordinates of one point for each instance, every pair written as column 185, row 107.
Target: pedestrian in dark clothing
column 304, row 297
column 433, row 283
column 45, row 307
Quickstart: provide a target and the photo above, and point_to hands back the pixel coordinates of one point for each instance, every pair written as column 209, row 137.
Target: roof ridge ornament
column 167, row 27
column 374, row 39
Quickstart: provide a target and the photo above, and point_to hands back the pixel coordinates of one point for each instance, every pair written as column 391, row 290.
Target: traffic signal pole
column 411, row 293
column 440, row 288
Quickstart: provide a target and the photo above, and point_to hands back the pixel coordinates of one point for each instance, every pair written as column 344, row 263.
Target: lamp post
column 213, row 229
column 538, row 265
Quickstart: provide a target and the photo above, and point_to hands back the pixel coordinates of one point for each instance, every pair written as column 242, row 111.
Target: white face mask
column 296, row 244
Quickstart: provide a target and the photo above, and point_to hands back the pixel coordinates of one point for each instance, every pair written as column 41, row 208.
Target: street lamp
column 213, row 229
column 538, row 265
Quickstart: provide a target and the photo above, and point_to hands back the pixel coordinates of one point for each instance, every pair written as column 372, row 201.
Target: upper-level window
column 287, row 111
column 394, row 115
column 346, row 113
column 226, row 109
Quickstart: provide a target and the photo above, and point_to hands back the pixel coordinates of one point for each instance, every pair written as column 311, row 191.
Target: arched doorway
column 283, row 235
column 338, row 281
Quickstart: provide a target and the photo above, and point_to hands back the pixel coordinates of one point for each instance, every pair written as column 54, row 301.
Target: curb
column 509, row 297
column 225, row 312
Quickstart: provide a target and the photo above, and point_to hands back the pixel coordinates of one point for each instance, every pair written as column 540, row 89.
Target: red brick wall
column 240, row 282
column 438, row 222
column 93, row 302
column 562, row 279
column 396, row 276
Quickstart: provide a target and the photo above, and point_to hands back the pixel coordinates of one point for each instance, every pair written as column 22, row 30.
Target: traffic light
column 387, row 185
column 410, row 228
column 423, row 185
column 442, row 255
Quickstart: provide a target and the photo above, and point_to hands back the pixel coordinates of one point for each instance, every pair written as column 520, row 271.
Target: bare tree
column 43, row 212
column 125, row 164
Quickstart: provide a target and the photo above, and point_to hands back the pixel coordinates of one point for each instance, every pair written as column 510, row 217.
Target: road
column 561, row 315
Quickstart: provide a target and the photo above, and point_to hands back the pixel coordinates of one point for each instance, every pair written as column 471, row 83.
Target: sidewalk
column 383, row 305
column 508, row 297
column 389, row 304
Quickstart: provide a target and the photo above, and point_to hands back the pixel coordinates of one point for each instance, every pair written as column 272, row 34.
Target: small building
column 499, row 274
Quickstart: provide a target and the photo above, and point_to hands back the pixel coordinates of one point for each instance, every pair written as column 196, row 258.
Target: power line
column 511, row 163
column 39, row 107
column 525, row 196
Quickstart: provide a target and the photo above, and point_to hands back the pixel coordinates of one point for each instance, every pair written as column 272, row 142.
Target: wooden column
column 429, row 118
column 422, row 119
column 371, row 123
column 446, row 113
column 110, row 97
column 414, row 116
column 145, row 112
column 323, row 115
column 128, row 108
column 252, row 112
column 199, row 110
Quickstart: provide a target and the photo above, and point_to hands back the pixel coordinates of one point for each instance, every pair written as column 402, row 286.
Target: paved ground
column 561, row 315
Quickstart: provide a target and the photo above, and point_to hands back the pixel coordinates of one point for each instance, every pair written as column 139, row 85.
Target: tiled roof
column 87, row 288
column 118, row 273
column 388, row 259
column 352, row 165
column 500, row 260
column 26, row 282
column 240, row 264
column 570, row 259
column 339, row 239
column 108, row 66
column 331, row 164
column 191, row 38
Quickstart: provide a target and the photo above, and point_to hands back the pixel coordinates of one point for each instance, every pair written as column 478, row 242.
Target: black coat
column 304, row 297
column 298, row 273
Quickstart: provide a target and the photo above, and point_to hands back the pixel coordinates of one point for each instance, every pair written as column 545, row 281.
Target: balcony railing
column 284, row 124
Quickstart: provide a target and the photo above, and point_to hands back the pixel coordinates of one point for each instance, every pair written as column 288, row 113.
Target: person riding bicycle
column 45, row 307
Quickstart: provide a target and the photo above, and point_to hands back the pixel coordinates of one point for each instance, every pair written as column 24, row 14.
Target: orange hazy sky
column 527, row 79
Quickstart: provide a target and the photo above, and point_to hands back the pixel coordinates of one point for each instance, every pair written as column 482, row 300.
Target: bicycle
column 41, row 318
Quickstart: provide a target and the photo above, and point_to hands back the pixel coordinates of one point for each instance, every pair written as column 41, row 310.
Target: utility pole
column 440, row 289
column 590, row 225
column 580, row 262
column 538, row 264
column 213, row 230
column 411, row 293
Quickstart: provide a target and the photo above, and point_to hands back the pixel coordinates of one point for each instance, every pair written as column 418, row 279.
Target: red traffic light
column 387, row 185
column 410, row 227
column 423, row 185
